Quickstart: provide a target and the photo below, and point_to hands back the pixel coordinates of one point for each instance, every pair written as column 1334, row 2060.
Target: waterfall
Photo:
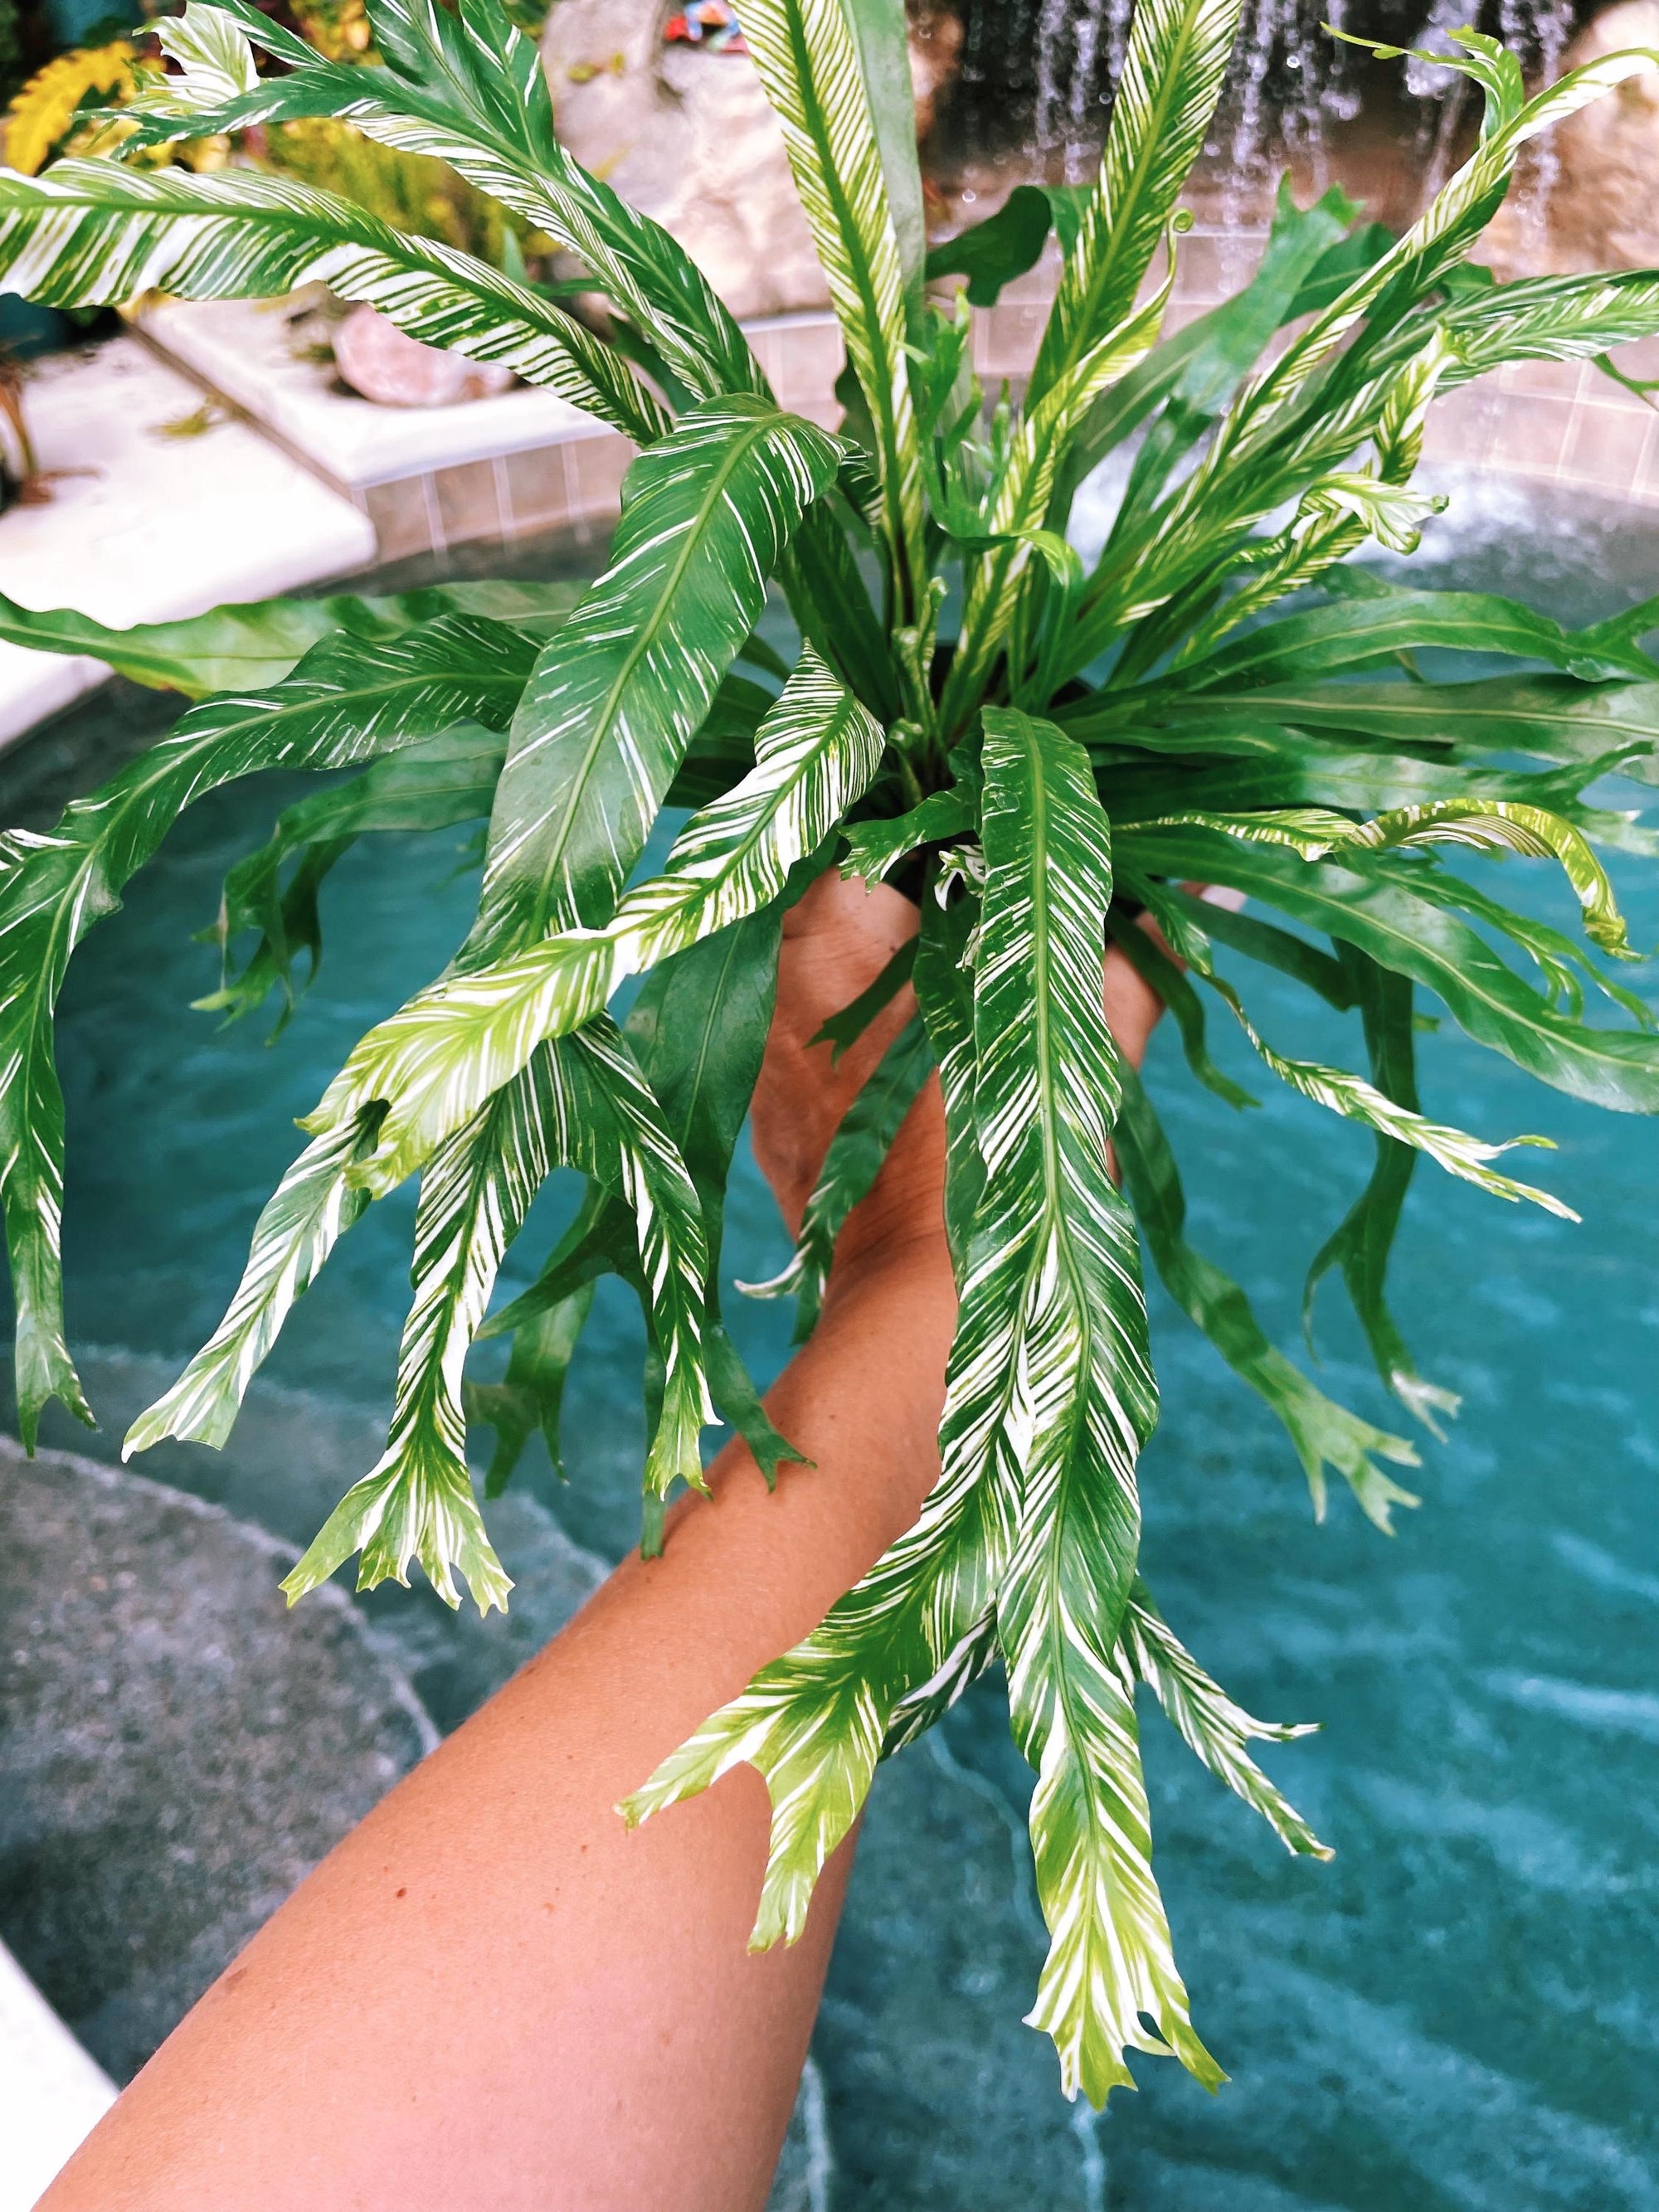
column 1038, row 78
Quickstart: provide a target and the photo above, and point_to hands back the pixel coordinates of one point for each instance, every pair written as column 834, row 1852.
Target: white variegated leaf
column 1165, row 98
column 438, row 1058
column 1020, row 497
column 1454, row 1150
column 1083, row 1399
column 1215, row 1728
column 310, row 1210
column 900, row 1644
column 808, row 59
column 1502, row 825
column 466, row 86
column 93, row 234
column 614, row 699
column 349, row 699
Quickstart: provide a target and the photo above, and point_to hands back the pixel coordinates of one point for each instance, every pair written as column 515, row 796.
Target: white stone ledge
column 156, row 527
column 52, row 2094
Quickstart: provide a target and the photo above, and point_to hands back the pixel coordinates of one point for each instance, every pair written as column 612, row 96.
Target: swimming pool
column 1462, row 2011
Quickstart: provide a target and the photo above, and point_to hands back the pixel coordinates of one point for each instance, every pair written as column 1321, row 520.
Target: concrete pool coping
column 52, row 2093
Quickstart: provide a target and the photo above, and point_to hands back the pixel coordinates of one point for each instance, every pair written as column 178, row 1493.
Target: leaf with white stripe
column 1322, row 1431
column 1215, row 1728
column 439, row 1056
column 310, row 1211
column 346, row 700
column 1019, row 500
column 93, row 234
column 1166, row 96
column 242, row 647
column 1062, row 1244
column 578, row 1102
column 808, row 58
column 1454, row 1150
column 619, row 690
column 1502, row 825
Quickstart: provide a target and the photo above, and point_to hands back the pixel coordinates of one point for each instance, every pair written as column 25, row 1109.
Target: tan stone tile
column 469, row 506
column 406, row 518
column 598, row 467
column 538, row 496
column 1529, row 436
column 1606, row 443
column 1545, row 378
column 1461, row 425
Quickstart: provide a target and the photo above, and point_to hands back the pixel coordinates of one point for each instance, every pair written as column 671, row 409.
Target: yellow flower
column 46, row 118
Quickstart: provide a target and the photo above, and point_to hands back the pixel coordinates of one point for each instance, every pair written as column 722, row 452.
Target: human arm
column 491, row 1993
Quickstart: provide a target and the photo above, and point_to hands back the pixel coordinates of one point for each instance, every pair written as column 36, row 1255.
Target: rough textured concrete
column 176, row 1748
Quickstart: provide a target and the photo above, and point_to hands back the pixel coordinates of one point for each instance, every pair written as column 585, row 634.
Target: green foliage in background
column 1219, row 697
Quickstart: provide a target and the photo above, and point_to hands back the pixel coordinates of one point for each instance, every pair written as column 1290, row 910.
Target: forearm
column 491, row 1992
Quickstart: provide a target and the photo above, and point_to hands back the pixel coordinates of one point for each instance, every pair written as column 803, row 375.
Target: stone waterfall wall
column 687, row 136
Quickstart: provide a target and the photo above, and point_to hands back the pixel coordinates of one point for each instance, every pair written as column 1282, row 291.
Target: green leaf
column 1264, row 942
column 881, row 28
column 1358, row 633
column 1197, row 369
column 1171, row 82
column 1362, row 1241
column 530, row 1395
column 1439, row 240
column 1454, row 1150
column 846, row 1028
column 1231, row 338
column 1372, row 901
column 874, row 849
column 1550, row 319
column 1323, row 1434
column 1056, row 1254
column 854, row 1159
column 808, row 61
column 245, row 648
column 1559, row 718
column 417, row 1500
column 1156, row 968
column 1502, row 825
column 346, row 701
column 92, row 234
column 441, row 1055
column 435, row 786
column 944, row 996
column 1017, row 504
column 992, row 253
column 1212, row 1725
column 619, row 690
column 698, row 1027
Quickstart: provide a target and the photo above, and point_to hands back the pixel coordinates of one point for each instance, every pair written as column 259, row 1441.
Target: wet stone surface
column 176, row 1748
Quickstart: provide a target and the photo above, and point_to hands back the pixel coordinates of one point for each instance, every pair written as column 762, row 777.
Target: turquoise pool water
column 1462, row 2011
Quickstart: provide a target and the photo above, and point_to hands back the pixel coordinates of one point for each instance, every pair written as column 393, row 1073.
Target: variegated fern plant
column 1071, row 745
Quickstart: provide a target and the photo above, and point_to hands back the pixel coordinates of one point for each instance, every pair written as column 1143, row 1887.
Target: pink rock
column 375, row 358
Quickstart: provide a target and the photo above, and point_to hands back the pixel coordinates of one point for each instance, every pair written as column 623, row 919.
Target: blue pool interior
column 1461, row 2011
